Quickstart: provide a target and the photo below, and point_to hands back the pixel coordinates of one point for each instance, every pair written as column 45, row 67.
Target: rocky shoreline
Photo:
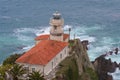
column 104, row 66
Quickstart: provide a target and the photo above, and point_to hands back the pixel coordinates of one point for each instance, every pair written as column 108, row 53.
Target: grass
column 89, row 74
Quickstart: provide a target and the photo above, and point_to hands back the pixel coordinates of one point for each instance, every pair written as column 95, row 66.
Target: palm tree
column 3, row 70
column 17, row 71
column 36, row 76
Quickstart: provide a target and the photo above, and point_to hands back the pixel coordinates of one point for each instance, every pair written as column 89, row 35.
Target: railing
column 57, row 34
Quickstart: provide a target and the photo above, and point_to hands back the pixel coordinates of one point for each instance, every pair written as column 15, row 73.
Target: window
column 61, row 56
column 33, row 69
column 55, row 27
column 26, row 68
column 65, row 51
column 52, row 64
column 55, row 61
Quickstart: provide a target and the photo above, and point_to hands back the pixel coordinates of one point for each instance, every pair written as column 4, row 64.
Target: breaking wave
column 116, row 74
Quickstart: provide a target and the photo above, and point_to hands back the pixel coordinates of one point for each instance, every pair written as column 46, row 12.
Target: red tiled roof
column 45, row 37
column 43, row 52
column 42, row 37
column 65, row 36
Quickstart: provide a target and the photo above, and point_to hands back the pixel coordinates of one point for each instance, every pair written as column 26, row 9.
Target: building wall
column 58, row 38
column 37, row 42
column 51, row 64
column 66, row 40
column 56, row 22
column 31, row 66
column 56, row 60
column 53, row 38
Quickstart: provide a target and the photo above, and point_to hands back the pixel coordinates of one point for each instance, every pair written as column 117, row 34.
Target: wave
column 114, row 57
column 24, row 34
column 5, row 17
column 23, row 30
column 27, row 34
column 96, row 51
column 23, row 49
column 82, row 32
column 116, row 74
column 42, row 31
column 87, row 37
column 66, row 27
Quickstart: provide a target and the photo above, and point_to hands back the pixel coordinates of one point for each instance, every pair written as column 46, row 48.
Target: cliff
column 77, row 66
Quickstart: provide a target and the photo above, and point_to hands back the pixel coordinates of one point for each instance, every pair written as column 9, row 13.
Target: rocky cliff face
column 77, row 66
column 80, row 51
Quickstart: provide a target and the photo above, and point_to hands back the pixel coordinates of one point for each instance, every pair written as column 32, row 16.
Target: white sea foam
column 107, row 41
column 87, row 37
column 23, row 33
column 24, row 49
column 24, row 30
column 94, row 52
column 45, row 30
column 66, row 27
column 27, row 47
column 116, row 74
column 5, row 17
column 23, row 37
column 81, row 33
column 114, row 57
column 104, row 46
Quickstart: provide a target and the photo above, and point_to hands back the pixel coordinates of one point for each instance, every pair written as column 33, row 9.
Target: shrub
column 93, row 75
column 11, row 59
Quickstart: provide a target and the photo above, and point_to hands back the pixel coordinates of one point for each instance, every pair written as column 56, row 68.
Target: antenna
column 69, row 32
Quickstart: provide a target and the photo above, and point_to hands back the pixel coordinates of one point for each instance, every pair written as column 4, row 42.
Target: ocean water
column 95, row 20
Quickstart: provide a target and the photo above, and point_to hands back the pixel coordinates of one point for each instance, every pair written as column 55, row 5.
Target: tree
column 36, row 76
column 11, row 59
column 17, row 71
column 3, row 70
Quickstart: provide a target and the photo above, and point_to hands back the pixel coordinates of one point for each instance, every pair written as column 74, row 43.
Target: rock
column 111, row 52
column 109, row 77
column 119, row 66
column 116, row 51
column 103, row 66
column 85, row 43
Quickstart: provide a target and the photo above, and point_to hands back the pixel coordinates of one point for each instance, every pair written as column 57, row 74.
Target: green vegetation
column 89, row 74
column 8, row 63
column 11, row 59
column 71, row 44
column 69, row 69
column 36, row 76
column 4, row 69
column 17, row 71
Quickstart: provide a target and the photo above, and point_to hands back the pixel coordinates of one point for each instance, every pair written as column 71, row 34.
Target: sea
column 95, row 20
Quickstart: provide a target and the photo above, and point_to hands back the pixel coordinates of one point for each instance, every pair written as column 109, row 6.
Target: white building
column 50, row 49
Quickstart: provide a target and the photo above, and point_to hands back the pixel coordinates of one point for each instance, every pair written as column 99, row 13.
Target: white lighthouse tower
column 56, row 23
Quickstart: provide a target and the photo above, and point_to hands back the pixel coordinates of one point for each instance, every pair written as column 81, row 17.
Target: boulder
column 103, row 66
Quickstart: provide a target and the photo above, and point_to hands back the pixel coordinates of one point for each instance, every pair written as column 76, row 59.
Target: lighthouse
column 56, row 29
column 49, row 50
